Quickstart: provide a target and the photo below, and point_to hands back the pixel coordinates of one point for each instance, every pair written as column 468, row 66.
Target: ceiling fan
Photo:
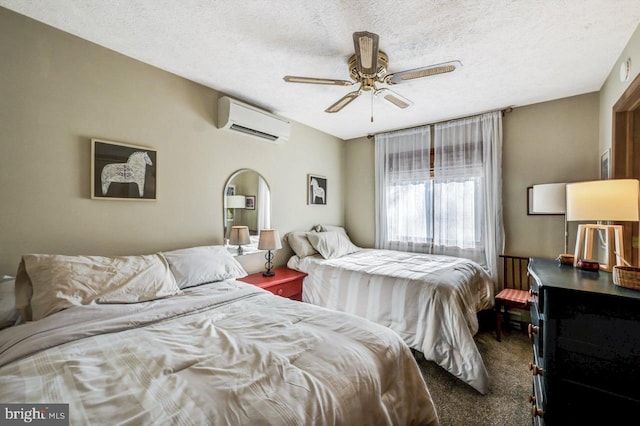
column 368, row 67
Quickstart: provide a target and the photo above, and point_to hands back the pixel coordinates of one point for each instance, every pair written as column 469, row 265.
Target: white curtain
column 453, row 209
column 263, row 202
column 402, row 168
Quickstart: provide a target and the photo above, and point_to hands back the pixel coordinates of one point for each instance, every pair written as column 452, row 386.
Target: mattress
column 431, row 301
column 219, row 353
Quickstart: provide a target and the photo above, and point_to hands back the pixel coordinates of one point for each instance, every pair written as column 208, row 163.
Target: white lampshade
column 549, row 198
column 613, row 199
column 239, row 235
column 235, row 201
column 269, row 240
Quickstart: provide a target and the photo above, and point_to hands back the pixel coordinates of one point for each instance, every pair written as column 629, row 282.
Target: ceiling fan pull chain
column 372, row 106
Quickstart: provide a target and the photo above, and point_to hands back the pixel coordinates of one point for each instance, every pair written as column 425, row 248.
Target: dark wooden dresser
column 586, row 347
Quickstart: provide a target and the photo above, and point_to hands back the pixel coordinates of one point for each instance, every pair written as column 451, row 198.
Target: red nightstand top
column 283, row 275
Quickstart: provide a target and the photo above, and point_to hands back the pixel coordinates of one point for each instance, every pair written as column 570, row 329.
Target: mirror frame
column 224, row 198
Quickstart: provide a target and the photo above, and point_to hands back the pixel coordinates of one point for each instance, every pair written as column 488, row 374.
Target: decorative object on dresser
column 122, row 172
column 239, row 236
column 602, row 200
column 284, row 282
column 586, row 347
column 269, row 240
column 515, row 292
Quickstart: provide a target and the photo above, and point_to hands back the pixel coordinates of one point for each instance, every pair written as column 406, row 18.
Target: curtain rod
column 504, row 111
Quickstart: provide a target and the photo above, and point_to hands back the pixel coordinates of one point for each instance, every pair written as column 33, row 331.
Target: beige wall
column 613, row 88
column 549, row 142
column 58, row 91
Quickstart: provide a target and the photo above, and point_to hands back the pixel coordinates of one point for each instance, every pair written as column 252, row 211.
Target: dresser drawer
column 292, row 289
column 536, row 329
column 537, row 402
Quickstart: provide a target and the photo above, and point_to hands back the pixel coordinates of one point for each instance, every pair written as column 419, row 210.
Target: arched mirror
column 247, row 202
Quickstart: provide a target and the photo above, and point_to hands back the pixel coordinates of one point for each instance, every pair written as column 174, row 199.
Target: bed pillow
column 8, row 312
column 331, row 228
column 199, row 265
column 59, row 282
column 300, row 243
column 332, row 244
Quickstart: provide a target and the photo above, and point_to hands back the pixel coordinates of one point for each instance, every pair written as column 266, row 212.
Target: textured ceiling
column 514, row 52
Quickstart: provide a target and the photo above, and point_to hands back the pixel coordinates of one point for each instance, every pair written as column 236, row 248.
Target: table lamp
column 239, row 236
column 234, row 202
column 602, row 200
column 269, row 240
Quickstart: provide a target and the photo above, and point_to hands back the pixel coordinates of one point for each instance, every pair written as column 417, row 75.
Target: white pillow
column 331, row 228
column 59, row 282
column 199, row 265
column 8, row 311
column 332, row 244
column 300, row 243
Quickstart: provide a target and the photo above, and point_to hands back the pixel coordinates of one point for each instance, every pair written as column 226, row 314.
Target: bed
column 174, row 338
column 431, row 301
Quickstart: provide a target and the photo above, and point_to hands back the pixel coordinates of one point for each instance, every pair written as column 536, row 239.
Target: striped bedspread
column 225, row 353
column 431, row 301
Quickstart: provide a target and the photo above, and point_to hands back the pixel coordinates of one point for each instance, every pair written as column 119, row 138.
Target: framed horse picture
column 122, row 172
column 317, row 189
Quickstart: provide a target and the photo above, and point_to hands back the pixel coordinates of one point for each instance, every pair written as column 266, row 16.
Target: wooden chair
column 515, row 293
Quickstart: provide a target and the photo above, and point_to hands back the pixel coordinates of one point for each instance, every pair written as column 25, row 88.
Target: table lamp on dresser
column 602, row 200
column 239, row 236
column 269, row 240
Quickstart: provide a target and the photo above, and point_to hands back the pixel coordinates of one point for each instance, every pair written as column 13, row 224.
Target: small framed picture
column 231, row 190
column 605, row 165
column 250, row 202
column 122, row 172
column 317, row 189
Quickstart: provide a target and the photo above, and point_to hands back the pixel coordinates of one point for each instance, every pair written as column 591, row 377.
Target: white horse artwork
column 316, row 191
column 132, row 171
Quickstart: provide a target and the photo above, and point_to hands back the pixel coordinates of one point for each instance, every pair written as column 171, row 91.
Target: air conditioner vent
column 253, row 132
column 243, row 118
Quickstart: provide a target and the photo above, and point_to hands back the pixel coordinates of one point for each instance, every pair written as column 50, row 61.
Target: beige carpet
column 505, row 404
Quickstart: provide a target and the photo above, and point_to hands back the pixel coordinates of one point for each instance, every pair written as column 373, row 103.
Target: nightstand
column 286, row 282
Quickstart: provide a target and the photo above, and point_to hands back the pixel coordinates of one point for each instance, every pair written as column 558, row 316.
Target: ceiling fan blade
column 402, row 76
column 343, row 101
column 311, row 80
column 393, row 98
column 366, row 46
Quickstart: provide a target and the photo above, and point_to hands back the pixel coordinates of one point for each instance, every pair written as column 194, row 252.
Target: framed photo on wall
column 317, row 189
column 122, row 172
column 250, row 202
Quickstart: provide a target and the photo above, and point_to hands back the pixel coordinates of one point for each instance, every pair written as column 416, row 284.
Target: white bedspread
column 431, row 301
column 225, row 353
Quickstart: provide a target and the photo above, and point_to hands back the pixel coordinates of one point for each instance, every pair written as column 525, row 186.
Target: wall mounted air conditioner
column 237, row 116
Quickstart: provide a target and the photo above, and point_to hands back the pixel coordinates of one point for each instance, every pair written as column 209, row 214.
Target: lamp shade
column 549, row 198
column 239, row 235
column 269, row 240
column 235, row 201
column 613, row 199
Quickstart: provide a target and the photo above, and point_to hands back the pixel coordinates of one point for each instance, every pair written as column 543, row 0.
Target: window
column 438, row 189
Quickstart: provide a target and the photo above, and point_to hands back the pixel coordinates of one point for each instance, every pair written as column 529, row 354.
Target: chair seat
column 509, row 298
column 514, row 298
